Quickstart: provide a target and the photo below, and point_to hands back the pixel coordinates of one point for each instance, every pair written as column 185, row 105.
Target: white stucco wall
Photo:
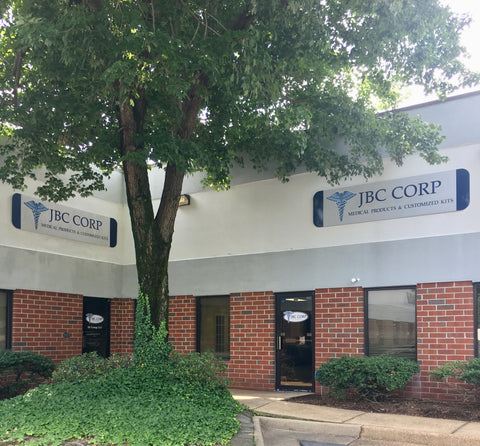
column 269, row 216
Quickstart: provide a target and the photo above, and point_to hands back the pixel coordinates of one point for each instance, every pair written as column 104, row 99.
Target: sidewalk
column 368, row 426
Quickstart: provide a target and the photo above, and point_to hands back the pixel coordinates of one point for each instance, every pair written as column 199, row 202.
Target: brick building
column 274, row 278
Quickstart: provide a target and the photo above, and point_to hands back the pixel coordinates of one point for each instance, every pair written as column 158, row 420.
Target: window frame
column 366, row 317
column 8, row 325
column 199, row 319
column 476, row 319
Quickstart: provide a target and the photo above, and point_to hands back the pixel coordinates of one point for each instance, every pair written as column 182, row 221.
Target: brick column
column 252, row 341
column 122, row 316
column 445, row 333
column 182, row 323
column 339, row 324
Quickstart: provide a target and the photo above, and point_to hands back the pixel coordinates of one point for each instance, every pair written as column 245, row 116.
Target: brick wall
column 339, row 322
column 445, row 332
column 47, row 323
column 182, row 323
column 122, row 317
column 51, row 323
column 252, row 341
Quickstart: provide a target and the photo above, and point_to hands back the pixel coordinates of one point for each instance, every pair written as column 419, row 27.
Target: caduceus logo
column 37, row 209
column 341, row 198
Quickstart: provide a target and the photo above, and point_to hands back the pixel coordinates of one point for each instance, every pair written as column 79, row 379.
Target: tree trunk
column 152, row 233
column 153, row 236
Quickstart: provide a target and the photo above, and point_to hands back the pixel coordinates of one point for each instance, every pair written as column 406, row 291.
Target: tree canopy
column 88, row 86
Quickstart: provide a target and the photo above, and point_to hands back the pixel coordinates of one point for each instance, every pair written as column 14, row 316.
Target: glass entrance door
column 294, row 329
column 96, row 326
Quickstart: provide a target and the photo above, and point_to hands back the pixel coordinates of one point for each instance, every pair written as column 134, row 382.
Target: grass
column 133, row 405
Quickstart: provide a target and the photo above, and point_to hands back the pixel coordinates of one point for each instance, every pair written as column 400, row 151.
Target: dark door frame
column 107, row 303
column 278, row 297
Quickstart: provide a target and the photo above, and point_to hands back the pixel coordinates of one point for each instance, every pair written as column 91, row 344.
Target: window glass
column 391, row 322
column 214, row 326
column 3, row 320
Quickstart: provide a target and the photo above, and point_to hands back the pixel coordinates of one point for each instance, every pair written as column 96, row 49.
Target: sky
column 470, row 40
column 471, row 36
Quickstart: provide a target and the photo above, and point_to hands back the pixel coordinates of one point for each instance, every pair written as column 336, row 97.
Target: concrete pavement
column 279, row 422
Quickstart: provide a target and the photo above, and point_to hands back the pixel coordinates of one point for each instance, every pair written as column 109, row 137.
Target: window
column 5, row 302
column 390, row 322
column 213, row 326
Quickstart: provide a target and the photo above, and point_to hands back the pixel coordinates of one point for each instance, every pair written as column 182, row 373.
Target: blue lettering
column 394, row 192
column 423, row 188
column 86, row 222
column 435, row 184
column 377, row 196
column 399, row 192
column 412, row 190
column 56, row 215
column 366, row 198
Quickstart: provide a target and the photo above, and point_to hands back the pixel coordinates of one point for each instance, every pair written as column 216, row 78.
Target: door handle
column 279, row 342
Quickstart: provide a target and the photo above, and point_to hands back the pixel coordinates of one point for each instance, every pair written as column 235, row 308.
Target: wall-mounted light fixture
column 184, row 200
column 355, row 279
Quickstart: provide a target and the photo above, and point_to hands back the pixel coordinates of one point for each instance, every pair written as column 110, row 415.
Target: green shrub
column 20, row 369
column 88, row 365
column 201, row 368
column 449, row 370
column 464, row 371
column 371, row 378
column 471, row 374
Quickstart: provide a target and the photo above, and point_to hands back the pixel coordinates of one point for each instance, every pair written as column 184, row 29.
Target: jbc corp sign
column 406, row 197
column 31, row 214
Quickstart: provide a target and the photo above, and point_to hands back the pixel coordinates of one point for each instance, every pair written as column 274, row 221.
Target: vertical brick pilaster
column 339, row 324
column 252, row 340
column 445, row 333
column 182, row 323
column 122, row 316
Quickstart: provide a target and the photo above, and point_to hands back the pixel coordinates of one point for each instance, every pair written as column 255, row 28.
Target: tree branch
column 17, row 72
column 153, row 16
column 202, row 22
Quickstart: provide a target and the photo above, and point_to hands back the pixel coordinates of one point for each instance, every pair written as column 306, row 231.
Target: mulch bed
column 402, row 406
